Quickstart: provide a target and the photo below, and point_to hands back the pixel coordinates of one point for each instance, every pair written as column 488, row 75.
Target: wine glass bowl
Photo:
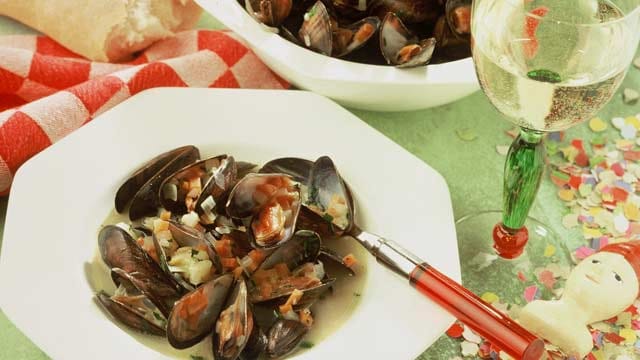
column 548, row 65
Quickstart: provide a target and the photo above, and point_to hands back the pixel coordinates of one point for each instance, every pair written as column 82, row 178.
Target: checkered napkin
column 46, row 91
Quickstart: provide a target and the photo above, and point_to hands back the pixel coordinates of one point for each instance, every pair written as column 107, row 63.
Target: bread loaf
column 104, row 30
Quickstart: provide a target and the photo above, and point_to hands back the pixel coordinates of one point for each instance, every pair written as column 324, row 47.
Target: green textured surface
column 473, row 170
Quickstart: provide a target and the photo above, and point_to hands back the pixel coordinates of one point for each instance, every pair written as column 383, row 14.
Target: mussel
column 269, row 12
column 322, row 33
column 130, row 306
column 410, row 11
column 234, row 325
column 401, row 47
column 141, row 188
column 458, row 15
column 284, row 336
column 199, row 187
column 269, row 205
column 194, row 315
column 119, row 250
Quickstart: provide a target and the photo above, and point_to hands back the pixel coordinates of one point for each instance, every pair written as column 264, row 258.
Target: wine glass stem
column 522, row 175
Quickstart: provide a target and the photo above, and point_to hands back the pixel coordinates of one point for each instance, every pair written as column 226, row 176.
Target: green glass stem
column 522, row 175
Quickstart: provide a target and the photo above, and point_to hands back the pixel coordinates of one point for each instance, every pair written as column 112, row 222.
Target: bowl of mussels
column 382, row 55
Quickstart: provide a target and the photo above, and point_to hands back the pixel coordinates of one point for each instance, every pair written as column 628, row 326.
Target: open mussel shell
column 410, row 11
column 269, row 12
column 327, row 193
column 234, row 325
column 351, row 38
column 309, row 295
column 127, row 316
column 256, row 345
column 188, row 236
column 268, row 204
column 458, row 15
column 316, row 31
column 284, row 336
column 352, row 9
column 329, row 256
column 142, row 187
column 297, row 168
column 400, row 47
column 302, row 248
column 216, row 176
column 450, row 46
column 119, row 250
column 195, row 314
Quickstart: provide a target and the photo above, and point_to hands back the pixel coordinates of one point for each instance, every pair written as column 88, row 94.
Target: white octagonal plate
column 61, row 196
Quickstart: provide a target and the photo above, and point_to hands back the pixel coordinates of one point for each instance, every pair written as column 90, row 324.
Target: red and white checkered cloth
column 46, row 91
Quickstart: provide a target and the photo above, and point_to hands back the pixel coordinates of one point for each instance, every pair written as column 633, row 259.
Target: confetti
column 618, row 122
column 483, row 260
column 570, row 220
column 468, row 348
column 621, row 223
column 566, row 194
column 628, row 132
column 466, row 134
column 630, row 96
column 629, row 336
column 633, row 120
column 547, row 279
column 614, row 338
column 490, row 297
column 531, row 293
column 549, row 250
column 583, row 252
column 502, row 149
column 597, row 125
column 470, row 336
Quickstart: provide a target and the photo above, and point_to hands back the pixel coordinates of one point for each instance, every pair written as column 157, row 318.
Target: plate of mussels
column 385, row 55
column 204, row 238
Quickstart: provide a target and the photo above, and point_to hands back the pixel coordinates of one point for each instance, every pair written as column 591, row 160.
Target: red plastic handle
column 481, row 317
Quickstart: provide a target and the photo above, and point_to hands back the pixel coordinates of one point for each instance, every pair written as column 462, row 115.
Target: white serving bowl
column 368, row 87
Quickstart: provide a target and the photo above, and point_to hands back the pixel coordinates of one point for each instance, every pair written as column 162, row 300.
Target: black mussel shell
column 268, row 205
column 450, row 46
column 325, row 188
column 302, row 248
column 297, row 168
column 269, row 12
column 402, row 48
column 127, row 191
column 145, row 202
column 458, row 14
column 217, row 175
column 329, row 256
column 410, row 11
column 127, row 316
column 119, row 250
column 284, row 336
column 238, row 315
column 316, row 31
column 190, row 321
column 352, row 37
column 256, row 345
column 309, row 296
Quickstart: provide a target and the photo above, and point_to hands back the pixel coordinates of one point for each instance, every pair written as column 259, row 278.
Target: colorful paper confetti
column 630, row 96
column 466, row 134
column 597, row 125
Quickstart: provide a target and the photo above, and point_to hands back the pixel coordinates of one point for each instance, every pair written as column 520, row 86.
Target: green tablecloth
column 473, row 171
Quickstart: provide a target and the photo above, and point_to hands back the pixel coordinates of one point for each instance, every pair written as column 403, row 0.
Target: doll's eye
column 618, row 278
column 594, row 261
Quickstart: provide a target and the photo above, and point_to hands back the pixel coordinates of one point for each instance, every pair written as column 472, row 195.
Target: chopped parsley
column 357, row 294
column 158, row 316
column 196, row 357
column 306, row 344
column 194, row 252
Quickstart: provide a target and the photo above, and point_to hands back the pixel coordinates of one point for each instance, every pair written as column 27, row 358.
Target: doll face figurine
column 603, row 285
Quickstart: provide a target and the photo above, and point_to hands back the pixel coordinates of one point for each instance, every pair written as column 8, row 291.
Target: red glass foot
column 509, row 243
